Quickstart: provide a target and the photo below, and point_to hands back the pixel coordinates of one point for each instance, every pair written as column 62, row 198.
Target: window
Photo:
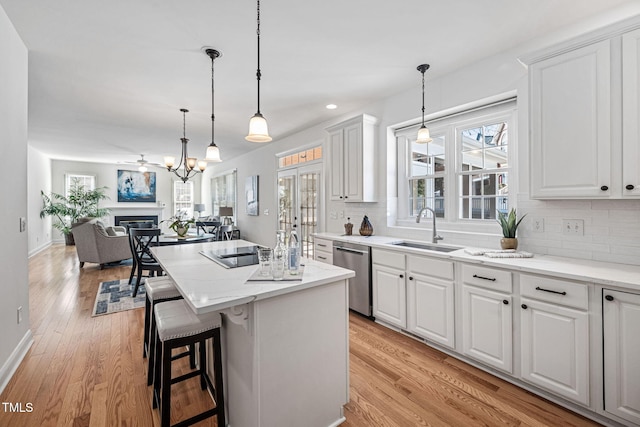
column 183, row 198
column 223, row 192
column 468, row 157
column 87, row 181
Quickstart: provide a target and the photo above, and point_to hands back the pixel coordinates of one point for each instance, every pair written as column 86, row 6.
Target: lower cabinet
column 389, row 289
column 323, row 250
column 621, row 317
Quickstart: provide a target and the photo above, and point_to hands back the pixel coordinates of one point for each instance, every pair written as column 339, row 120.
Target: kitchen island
column 285, row 344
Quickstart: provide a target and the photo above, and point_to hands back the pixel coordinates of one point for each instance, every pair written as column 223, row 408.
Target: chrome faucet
column 435, row 237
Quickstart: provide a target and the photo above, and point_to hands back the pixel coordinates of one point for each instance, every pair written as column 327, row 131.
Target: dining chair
column 141, row 241
column 226, row 232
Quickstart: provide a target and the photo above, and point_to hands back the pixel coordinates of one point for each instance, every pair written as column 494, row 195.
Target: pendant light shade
column 258, row 130
column 424, row 136
column 213, row 152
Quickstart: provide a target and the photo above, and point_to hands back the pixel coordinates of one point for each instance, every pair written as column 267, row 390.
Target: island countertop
column 207, row 286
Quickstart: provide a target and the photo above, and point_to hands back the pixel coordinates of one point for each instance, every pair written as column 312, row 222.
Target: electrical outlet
column 266, row 211
column 537, row 224
column 573, row 227
column 19, row 314
column 342, row 214
column 23, row 224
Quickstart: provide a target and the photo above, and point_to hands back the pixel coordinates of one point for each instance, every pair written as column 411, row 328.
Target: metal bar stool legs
column 177, row 326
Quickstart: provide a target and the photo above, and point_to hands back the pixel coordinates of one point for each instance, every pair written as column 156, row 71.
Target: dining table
column 285, row 342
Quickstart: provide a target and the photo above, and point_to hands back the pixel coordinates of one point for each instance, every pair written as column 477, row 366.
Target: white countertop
column 603, row 273
column 207, row 286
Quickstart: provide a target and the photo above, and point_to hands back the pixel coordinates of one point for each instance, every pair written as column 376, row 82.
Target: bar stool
column 158, row 289
column 176, row 326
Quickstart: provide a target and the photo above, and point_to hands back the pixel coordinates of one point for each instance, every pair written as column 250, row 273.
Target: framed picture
column 134, row 186
column 251, row 193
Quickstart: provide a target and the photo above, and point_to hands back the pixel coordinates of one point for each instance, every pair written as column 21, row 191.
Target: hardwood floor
column 89, row 371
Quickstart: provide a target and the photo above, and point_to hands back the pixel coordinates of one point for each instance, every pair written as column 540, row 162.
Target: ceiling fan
column 142, row 164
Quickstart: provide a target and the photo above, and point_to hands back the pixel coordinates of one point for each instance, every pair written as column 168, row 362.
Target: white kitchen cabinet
column 389, row 287
column 430, row 299
column 323, row 250
column 584, row 116
column 631, row 114
column 487, row 322
column 570, row 124
column 352, row 155
column 554, row 336
column 621, row 317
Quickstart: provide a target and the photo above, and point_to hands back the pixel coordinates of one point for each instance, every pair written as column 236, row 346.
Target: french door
column 299, row 203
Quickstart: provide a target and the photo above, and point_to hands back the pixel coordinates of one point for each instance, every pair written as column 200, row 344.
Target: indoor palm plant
column 509, row 223
column 66, row 210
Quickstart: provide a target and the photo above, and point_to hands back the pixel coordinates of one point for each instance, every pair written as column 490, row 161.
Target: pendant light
column 258, row 131
column 213, row 152
column 187, row 163
column 423, row 133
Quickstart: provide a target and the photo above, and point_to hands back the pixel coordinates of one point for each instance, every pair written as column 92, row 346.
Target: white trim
column 39, row 249
column 14, row 360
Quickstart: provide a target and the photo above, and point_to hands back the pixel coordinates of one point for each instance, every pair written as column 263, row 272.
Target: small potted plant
column 509, row 223
column 180, row 223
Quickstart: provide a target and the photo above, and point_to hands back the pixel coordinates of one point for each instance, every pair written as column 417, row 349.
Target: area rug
column 115, row 295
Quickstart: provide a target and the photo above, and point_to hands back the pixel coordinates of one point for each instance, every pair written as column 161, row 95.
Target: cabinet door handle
column 346, row 197
column 629, row 187
column 609, row 298
column 402, row 276
column 538, row 288
column 410, row 277
column 484, row 278
column 604, row 188
column 524, row 306
column 341, row 197
column 505, row 302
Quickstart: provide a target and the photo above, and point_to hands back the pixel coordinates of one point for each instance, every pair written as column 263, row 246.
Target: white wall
column 39, row 232
column 612, row 228
column 14, row 338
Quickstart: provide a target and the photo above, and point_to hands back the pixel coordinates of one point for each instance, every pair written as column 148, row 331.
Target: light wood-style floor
column 89, row 371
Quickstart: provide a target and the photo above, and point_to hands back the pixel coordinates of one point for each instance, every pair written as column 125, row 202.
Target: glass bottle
column 279, row 259
column 294, row 252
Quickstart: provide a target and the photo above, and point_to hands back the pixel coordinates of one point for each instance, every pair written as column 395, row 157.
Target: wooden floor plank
column 89, row 371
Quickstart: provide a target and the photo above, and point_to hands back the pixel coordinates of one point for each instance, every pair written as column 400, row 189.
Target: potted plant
column 180, row 223
column 509, row 223
column 67, row 210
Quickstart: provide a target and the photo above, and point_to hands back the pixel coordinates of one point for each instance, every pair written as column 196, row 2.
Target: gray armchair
column 99, row 244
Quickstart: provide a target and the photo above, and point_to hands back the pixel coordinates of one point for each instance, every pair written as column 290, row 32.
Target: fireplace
column 135, row 218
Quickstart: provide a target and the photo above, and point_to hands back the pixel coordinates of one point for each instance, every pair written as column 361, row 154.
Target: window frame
column 217, row 203
column 449, row 126
column 69, row 176
column 176, row 202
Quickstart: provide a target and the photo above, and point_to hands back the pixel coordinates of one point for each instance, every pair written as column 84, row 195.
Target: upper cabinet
column 352, row 160
column 583, row 116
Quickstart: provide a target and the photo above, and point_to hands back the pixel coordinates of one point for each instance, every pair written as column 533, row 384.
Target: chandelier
column 258, row 131
column 187, row 167
column 423, row 133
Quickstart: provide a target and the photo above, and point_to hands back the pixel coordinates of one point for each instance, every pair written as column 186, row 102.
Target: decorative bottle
column 348, row 227
column 279, row 261
column 366, row 229
column 294, row 252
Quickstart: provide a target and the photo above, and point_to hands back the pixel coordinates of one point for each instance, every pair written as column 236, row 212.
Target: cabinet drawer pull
column 538, row 288
column 629, row 187
column 321, row 257
column 524, row 306
column 402, row 276
column 609, row 298
column 322, row 245
column 604, row 188
column 484, row 278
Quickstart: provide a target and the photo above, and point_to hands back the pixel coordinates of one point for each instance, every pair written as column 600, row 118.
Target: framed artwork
column 134, row 186
column 251, row 193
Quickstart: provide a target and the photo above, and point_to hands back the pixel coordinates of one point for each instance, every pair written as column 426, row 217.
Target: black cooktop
column 233, row 257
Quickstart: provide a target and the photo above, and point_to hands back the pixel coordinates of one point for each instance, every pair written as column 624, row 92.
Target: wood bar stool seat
column 177, row 326
column 158, row 289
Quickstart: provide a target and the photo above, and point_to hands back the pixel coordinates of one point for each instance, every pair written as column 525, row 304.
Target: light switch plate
column 23, row 224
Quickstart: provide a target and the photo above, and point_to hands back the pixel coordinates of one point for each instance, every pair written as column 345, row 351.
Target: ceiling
column 107, row 78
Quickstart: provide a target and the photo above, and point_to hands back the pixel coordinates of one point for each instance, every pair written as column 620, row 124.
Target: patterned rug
column 116, row 296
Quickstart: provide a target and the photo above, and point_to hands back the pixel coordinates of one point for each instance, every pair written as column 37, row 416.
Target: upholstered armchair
column 99, row 244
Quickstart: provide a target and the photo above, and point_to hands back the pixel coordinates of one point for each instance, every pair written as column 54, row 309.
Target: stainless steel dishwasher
column 357, row 258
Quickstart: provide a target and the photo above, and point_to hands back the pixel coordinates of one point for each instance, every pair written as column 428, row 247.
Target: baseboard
column 10, row 367
column 39, row 249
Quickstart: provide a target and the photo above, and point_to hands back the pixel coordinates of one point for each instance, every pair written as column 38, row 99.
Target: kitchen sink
column 425, row 246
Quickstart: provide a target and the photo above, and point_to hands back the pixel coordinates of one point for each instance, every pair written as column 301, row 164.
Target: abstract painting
column 134, row 186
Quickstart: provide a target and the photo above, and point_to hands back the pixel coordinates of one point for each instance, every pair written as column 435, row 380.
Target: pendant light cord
column 213, row 117
column 423, row 97
column 258, row 73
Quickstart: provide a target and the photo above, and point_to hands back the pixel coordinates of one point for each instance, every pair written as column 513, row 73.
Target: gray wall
column 14, row 338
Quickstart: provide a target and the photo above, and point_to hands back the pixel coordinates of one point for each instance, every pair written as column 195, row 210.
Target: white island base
column 287, row 359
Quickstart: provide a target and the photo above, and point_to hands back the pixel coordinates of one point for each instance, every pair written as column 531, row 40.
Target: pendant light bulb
column 424, row 136
column 258, row 130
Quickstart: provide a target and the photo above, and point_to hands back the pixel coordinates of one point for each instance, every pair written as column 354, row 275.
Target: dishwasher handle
column 351, row 251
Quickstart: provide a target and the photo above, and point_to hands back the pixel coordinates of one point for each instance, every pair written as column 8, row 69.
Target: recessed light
column 331, row 106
